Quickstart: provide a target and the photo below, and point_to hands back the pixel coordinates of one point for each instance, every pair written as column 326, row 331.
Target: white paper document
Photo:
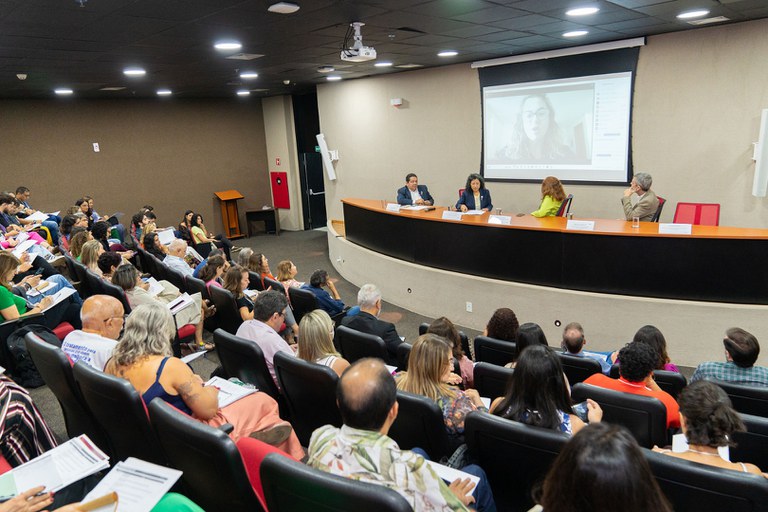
column 580, row 225
column 415, row 207
column 450, row 474
column 139, row 485
column 486, row 401
column 166, row 235
column 251, row 294
column 449, row 215
column 181, row 302
column 22, row 247
column 154, row 286
column 505, row 220
column 60, row 296
column 54, row 214
column 674, row 229
column 191, row 357
column 474, row 212
column 229, row 392
column 37, row 217
column 47, row 285
column 393, row 207
column 391, row 369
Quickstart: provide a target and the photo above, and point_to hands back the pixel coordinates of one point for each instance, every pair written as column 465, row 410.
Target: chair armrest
column 227, row 428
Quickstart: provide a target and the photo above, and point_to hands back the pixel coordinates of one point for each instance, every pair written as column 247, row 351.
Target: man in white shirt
column 175, row 258
column 102, row 318
column 268, row 317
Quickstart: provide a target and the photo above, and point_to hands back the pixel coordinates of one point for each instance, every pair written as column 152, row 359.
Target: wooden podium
column 229, row 214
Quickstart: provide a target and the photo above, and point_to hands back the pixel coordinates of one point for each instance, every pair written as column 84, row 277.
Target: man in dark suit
column 367, row 321
column 413, row 193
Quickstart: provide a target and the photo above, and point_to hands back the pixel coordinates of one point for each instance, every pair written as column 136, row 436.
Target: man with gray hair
column 573, row 344
column 367, row 321
column 175, row 257
column 647, row 204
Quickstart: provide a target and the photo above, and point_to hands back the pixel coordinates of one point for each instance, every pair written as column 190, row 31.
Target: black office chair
column 120, row 411
column 752, row 445
column 79, row 274
column 290, row 486
column 203, row 249
column 214, row 474
column 54, row 367
column 114, row 291
column 578, row 369
column 194, row 285
column 491, row 350
column 7, row 360
column 671, row 382
column 302, row 302
column 174, row 277
column 227, row 313
column 424, row 327
column 491, row 381
column 310, row 394
column 657, row 215
column 692, row 486
column 565, row 206
column 514, row 456
column 747, row 399
column 244, row 359
column 356, row 345
column 254, row 282
column 274, row 284
column 403, row 353
column 420, row 424
column 644, row 416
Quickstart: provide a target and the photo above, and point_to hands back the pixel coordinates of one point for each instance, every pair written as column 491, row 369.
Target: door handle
column 313, row 193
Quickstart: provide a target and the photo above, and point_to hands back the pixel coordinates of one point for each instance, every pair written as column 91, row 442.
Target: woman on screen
column 536, row 136
column 475, row 196
column 552, row 196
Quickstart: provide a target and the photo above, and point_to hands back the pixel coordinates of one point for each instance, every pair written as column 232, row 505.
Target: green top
column 173, row 502
column 548, row 207
column 8, row 299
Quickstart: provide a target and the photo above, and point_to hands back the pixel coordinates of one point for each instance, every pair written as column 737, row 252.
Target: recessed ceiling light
column 63, row 91
column 247, row 75
column 164, row 92
column 576, row 33
column 582, row 11
column 243, row 93
column 326, row 69
column 228, row 45
column 134, row 72
column 692, row 14
column 409, row 66
column 284, row 8
column 333, row 78
column 448, row 53
column 383, row 64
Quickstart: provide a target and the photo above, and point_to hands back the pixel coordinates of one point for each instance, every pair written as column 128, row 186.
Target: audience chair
column 752, row 445
column 701, row 214
column 244, row 359
column 420, row 424
column 227, row 313
column 644, row 416
column 291, row 486
column 692, row 486
column 214, row 474
column 747, row 399
column 310, row 394
column 671, row 382
column 403, row 353
column 143, row 258
column 273, row 284
column 491, row 381
column 578, row 369
column 79, row 271
column 7, row 328
column 120, row 411
column 54, row 367
column 302, row 302
column 255, row 282
column 424, row 326
column 491, row 350
column 194, row 285
column 565, row 206
column 356, row 345
column 99, row 286
column 657, row 215
column 203, row 249
column 515, row 456
column 174, row 277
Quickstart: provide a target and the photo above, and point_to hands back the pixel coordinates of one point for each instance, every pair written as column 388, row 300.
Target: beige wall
column 173, row 155
column 698, row 98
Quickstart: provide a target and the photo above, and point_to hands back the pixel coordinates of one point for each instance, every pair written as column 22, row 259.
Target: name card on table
column 674, row 229
column 580, row 225
column 393, row 207
column 500, row 219
column 451, row 215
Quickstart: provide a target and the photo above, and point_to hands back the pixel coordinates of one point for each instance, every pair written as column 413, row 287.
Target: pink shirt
column 267, row 339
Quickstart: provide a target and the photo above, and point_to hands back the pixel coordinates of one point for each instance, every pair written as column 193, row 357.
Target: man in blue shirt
column 573, row 344
column 331, row 302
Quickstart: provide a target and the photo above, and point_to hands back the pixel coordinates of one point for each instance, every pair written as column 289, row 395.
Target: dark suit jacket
column 468, row 198
column 404, row 195
column 369, row 324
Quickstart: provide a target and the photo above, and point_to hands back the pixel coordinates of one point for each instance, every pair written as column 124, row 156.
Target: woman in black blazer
column 475, row 196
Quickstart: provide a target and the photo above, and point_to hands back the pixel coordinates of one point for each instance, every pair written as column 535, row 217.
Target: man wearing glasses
column 102, row 318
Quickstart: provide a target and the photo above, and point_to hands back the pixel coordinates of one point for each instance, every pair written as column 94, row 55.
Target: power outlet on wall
column 469, row 307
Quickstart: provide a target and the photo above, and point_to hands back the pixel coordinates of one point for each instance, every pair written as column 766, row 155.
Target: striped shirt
column 731, row 372
column 23, row 432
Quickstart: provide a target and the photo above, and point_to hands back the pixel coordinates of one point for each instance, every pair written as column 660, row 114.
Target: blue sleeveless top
column 156, row 391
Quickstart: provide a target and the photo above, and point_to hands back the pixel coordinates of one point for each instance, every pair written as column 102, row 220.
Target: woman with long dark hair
column 201, row 235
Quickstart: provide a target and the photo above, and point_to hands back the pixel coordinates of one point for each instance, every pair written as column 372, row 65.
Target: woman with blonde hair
column 236, row 281
column 89, row 256
column 316, row 342
column 77, row 242
column 552, row 196
column 286, row 272
column 143, row 357
column 429, row 371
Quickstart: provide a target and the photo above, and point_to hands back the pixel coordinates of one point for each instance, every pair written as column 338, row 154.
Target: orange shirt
column 639, row 388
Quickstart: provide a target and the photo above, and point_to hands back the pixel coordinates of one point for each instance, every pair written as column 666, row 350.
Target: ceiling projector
column 356, row 52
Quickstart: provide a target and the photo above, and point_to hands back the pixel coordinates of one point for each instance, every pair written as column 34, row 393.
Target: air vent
column 410, row 66
column 707, row 21
column 245, row 56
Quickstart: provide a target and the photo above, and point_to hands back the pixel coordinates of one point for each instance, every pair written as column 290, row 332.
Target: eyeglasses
column 540, row 114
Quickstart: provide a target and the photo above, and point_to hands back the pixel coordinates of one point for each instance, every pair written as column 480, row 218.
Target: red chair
column 701, row 214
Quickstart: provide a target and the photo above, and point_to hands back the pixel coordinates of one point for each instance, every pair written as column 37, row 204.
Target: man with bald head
column 367, row 399
column 102, row 318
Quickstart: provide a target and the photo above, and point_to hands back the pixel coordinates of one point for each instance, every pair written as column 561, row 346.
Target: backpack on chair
column 23, row 370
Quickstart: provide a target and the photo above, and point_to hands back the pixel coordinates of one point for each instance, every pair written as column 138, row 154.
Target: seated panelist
column 413, row 193
column 475, row 196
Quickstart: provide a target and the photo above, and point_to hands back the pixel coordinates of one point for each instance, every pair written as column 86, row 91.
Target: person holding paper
column 648, row 203
column 143, row 357
column 475, row 196
column 552, row 196
column 413, row 193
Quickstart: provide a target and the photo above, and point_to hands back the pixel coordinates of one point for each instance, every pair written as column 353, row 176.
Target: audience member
column 244, row 256
column 528, row 335
column 648, row 203
column 316, row 342
column 573, row 344
column 185, row 227
column 108, row 262
column 367, row 400
column 214, row 268
column 23, row 432
column 203, row 262
column 638, row 361
column 503, row 325
column 367, row 320
column 154, row 247
column 741, row 351
column 552, row 196
column 102, row 319
column 286, row 274
column 538, row 395
column 650, row 335
column 77, row 242
column 444, row 328
column 143, row 357
column 89, row 256
column 52, row 223
column 329, row 301
column 200, row 235
column 601, row 468
column 236, row 281
column 175, row 257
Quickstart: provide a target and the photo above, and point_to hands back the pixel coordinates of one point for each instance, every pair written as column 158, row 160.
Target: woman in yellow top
column 552, row 196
